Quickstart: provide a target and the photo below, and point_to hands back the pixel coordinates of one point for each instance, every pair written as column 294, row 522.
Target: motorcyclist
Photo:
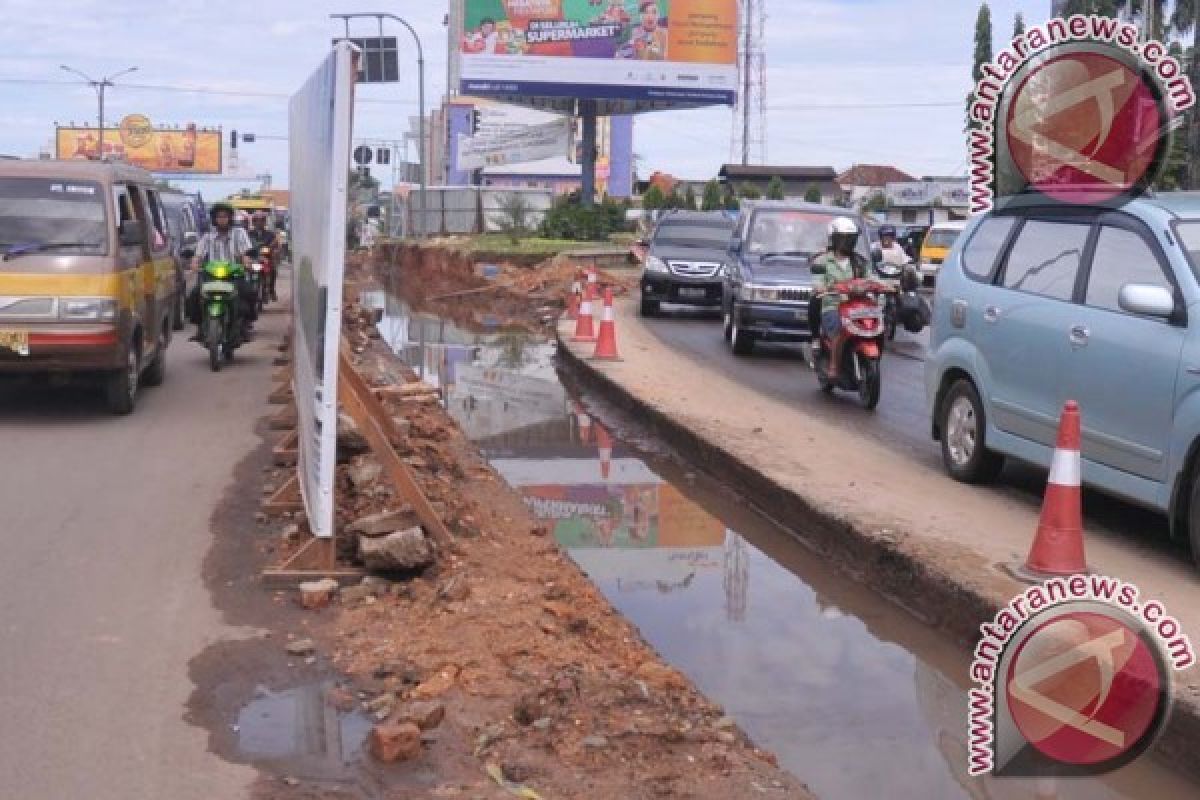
column 841, row 262
column 893, row 253
column 222, row 242
column 262, row 236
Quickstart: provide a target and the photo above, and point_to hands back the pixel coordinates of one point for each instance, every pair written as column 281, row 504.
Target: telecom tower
column 749, row 144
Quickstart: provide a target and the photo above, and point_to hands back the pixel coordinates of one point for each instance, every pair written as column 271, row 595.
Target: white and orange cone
column 606, row 342
column 585, row 329
column 584, row 423
column 573, row 301
column 605, row 447
column 1058, row 546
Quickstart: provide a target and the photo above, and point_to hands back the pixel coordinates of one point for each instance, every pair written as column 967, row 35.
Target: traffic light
column 476, row 121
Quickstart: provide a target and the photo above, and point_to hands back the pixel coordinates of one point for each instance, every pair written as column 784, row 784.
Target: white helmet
column 843, row 235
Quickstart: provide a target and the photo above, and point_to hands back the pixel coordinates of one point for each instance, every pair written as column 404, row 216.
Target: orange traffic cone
column 606, row 342
column 1058, row 546
column 573, row 302
column 585, row 424
column 605, row 446
column 584, row 329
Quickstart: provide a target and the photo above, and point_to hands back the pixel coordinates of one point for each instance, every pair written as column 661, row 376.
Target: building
column 863, row 181
column 928, row 201
column 796, row 180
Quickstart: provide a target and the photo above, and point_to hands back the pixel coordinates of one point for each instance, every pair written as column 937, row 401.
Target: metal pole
column 587, row 194
column 749, row 10
column 100, row 117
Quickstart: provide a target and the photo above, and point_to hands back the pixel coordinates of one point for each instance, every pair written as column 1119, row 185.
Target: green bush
column 569, row 220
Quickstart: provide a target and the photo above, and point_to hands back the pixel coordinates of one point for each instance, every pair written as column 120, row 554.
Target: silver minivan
column 1039, row 304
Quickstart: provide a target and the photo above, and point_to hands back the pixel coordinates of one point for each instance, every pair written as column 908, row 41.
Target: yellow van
column 87, row 280
column 936, row 247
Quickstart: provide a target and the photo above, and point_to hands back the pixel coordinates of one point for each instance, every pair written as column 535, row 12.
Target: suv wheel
column 121, row 385
column 741, row 341
column 963, row 427
column 650, row 306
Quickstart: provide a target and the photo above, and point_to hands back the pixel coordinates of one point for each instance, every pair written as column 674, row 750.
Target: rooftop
column 873, row 175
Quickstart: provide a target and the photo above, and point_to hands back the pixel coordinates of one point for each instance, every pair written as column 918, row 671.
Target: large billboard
column 319, row 144
column 681, row 52
column 188, row 150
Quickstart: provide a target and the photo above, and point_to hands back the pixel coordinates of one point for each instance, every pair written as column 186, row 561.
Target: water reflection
column 851, row 693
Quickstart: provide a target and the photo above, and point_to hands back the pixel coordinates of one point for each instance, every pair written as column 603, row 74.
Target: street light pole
column 99, row 86
column 378, row 15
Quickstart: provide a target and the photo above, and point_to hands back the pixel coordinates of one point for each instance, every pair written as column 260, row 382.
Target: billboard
column 520, row 146
column 188, row 150
column 681, row 52
column 319, row 144
column 922, row 194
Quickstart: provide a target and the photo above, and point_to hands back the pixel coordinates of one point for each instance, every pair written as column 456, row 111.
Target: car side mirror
column 1147, row 300
column 132, row 233
column 817, row 269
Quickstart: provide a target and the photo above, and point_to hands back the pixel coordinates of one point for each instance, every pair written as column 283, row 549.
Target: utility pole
column 99, row 85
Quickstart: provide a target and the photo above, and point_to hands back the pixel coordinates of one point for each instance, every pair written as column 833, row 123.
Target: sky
column 820, row 53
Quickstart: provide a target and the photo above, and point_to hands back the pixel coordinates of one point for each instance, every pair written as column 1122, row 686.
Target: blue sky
column 819, row 52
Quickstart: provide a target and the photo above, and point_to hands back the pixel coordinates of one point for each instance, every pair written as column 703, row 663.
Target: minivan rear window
column 1189, row 238
column 1045, row 258
column 59, row 216
column 979, row 256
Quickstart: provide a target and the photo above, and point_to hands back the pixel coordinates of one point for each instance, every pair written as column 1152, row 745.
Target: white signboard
column 516, row 146
column 319, row 134
column 951, row 194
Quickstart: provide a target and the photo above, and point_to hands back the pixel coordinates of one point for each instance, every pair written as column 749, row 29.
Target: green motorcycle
column 221, row 307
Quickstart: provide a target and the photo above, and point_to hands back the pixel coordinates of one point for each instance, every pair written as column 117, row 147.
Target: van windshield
column 60, row 216
column 942, row 237
column 688, row 233
column 794, row 233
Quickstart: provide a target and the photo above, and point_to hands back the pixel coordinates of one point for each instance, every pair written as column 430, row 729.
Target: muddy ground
column 546, row 691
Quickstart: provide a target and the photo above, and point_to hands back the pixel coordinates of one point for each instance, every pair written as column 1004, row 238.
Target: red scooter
column 265, row 263
column 852, row 361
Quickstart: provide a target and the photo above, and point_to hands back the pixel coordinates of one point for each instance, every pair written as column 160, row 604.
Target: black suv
column 768, row 285
column 685, row 260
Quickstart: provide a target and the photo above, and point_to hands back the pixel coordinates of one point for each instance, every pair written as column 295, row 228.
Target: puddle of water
column 299, row 730
column 849, row 691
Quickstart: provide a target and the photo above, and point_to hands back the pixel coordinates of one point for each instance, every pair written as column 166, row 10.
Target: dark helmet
column 216, row 208
column 887, row 230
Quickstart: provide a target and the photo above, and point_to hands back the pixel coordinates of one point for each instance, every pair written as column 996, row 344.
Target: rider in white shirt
column 893, row 253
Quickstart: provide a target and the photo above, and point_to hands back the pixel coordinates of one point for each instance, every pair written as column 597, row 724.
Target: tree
column 513, row 218
column 775, row 188
column 983, row 52
column 1018, row 24
column 689, row 198
column 876, row 202
column 654, row 199
column 812, row 194
column 711, row 201
column 731, row 201
column 749, row 192
column 1104, row 8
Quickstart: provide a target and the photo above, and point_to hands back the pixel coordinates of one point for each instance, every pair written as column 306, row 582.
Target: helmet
column 259, row 216
column 215, row 208
column 843, row 235
column 887, row 230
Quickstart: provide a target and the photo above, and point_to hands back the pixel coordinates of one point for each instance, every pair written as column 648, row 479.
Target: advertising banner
column 319, row 135
column 675, row 51
column 185, row 151
column 519, row 146
column 922, row 194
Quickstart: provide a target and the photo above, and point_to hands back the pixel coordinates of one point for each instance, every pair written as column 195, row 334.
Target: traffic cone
column 605, row 446
column 593, row 281
column 1058, row 546
column 606, row 342
column 584, row 329
column 585, row 424
column 573, row 302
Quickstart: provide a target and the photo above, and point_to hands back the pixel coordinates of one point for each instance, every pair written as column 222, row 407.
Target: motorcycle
column 266, row 288
column 852, row 361
column 904, row 305
column 256, row 279
column 222, row 318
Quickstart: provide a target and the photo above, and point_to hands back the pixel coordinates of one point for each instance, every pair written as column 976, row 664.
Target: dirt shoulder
column 934, row 547
column 544, row 688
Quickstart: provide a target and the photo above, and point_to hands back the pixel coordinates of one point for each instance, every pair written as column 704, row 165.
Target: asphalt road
column 901, row 422
column 105, row 526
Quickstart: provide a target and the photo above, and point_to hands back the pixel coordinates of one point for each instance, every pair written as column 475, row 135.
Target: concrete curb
column 939, row 598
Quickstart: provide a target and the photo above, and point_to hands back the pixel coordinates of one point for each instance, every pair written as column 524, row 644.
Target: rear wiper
column 18, row 250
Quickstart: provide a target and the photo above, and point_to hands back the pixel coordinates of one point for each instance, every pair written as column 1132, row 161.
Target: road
column 106, row 526
column 901, row 422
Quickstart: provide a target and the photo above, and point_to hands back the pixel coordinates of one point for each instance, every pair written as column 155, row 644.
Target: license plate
column 16, row 341
column 693, row 293
column 217, row 287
